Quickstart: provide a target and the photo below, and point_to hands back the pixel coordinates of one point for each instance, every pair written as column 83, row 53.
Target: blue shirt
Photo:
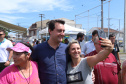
column 51, row 63
column 88, row 47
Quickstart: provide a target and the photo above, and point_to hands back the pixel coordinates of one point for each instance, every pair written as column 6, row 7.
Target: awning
column 12, row 27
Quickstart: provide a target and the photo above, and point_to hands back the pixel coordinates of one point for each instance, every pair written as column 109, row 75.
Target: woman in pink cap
column 23, row 71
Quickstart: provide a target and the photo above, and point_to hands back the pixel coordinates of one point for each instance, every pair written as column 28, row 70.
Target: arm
column 8, row 61
column 119, row 58
column 93, row 60
column 123, row 73
column 34, row 56
column 10, row 54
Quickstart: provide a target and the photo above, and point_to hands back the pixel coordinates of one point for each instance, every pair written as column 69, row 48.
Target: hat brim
column 17, row 49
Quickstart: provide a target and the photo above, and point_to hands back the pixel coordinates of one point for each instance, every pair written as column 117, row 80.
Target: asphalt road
column 122, row 57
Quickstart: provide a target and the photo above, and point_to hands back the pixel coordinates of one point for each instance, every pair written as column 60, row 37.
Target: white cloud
column 24, row 6
column 10, row 19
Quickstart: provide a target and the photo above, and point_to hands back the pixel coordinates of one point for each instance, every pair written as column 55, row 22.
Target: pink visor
column 19, row 47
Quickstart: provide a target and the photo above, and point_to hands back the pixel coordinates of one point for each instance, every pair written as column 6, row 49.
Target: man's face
column 112, row 39
column 2, row 35
column 93, row 37
column 58, row 33
column 97, row 45
column 82, row 39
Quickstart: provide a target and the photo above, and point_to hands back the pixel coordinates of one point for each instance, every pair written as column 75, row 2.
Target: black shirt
column 115, row 51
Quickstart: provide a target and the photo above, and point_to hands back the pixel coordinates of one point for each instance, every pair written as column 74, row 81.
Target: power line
column 91, row 9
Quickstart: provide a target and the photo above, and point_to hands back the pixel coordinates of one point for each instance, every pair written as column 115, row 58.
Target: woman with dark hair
column 80, row 69
column 23, row 71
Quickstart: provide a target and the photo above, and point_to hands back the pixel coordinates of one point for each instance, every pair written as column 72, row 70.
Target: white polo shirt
column 88, row 47
column 4, row 54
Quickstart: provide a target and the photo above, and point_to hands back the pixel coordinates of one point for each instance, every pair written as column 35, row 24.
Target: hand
column 7, row 63
column 93, row 77
column 120, row 63
column 107, row 43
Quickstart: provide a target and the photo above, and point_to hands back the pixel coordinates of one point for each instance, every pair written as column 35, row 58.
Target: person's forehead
column 75, row 45
column 95, row 35
column 112, row 37
column 59, row 26
column 17, row 52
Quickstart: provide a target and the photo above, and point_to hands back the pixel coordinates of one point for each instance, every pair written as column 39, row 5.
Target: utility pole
column 102, row 14
column 108, row 17
column 119, row 27
column 41, row 15
column 124, row 48
column 75, row 21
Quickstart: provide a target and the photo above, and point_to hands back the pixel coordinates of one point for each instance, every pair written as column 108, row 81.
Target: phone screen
column 101, row 33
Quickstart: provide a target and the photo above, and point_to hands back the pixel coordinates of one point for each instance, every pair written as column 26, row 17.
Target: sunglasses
column 1, row 34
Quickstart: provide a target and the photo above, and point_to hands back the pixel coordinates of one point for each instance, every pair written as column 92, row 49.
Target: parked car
column 122, row 45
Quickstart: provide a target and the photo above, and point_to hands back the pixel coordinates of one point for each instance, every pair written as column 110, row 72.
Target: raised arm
column 93, row 60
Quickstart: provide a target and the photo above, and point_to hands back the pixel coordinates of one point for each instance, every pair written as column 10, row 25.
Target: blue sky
column 24, row 12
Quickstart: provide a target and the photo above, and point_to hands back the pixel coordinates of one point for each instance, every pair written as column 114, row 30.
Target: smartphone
column 101, row 33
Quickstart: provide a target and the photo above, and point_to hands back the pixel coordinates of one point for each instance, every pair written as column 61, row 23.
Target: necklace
column 24, row 75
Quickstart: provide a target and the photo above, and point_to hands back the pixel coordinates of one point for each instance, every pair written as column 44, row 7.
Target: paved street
column 122, row 57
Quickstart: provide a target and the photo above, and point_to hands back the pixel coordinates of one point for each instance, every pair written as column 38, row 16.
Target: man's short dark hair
column 2, row 30
column 111, row 35
column 95, row 32
column 51, row 24
column 80, row 35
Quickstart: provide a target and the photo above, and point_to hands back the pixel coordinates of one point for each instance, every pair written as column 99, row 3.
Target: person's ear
column 28, row 55
column 49, row 30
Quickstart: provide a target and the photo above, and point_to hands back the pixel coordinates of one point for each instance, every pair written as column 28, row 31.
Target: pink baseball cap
column 19, row 47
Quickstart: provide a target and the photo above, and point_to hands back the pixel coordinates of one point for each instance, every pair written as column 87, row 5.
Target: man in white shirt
column 5, row 55
column 80, row 37
column 89, row 46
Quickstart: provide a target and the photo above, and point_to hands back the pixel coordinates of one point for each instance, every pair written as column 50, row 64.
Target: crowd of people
column 54, row 62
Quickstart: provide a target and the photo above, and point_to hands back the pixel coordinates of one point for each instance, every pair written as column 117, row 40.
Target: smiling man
column 51, row 56
column 5, row 55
